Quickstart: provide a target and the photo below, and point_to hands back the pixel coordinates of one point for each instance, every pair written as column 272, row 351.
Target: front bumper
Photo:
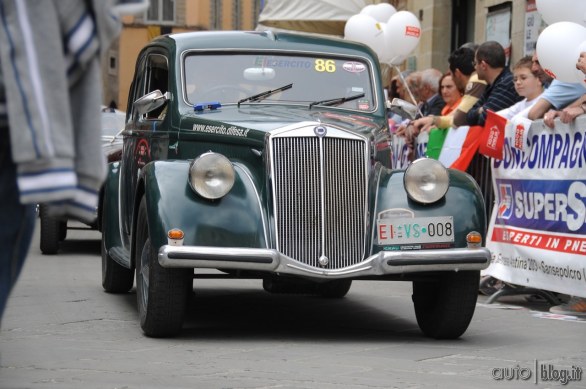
column 267, row 260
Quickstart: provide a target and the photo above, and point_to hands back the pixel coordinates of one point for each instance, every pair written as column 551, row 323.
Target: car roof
column 267, row 40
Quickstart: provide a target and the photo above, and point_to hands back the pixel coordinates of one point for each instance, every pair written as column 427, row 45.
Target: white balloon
column 365, row 29
column 384, row 12
column 387, row 56
column 402, row 34
column 368, row 10
column 381, row 50
column 553, row 11
column 557, row 50
column 381, row 12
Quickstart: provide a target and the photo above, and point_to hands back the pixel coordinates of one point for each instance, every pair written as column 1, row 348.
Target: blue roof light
column 200, row 107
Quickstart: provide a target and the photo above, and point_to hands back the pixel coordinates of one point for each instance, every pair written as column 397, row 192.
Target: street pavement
column 61, row 331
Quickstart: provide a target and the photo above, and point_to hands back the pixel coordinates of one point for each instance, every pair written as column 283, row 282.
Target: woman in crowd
column 450, row 93
column 452, row 96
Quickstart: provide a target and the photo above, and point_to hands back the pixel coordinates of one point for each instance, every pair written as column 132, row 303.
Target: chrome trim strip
column 378, row 171
column 269, row 260
column 322, row 195
column 121, row 225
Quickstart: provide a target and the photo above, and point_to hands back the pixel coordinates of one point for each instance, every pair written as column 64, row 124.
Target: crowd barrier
column 536, row 203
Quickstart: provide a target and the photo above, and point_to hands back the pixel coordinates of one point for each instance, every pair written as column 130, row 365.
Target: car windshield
column 229, row 78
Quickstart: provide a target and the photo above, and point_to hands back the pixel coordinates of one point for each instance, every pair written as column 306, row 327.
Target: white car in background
column 54, row 230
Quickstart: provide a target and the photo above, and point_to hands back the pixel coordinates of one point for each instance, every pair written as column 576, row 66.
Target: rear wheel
column 444, row 308
column 50, row 232
column 160, row 292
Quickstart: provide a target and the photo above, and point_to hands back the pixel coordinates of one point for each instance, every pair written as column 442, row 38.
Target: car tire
column 50, row 232
column 115, row 277
column 334, row 289
column 62, row 230
column 160, row 292
column 444, row 308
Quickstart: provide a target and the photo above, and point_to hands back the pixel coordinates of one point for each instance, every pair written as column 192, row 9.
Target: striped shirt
column 499, row 95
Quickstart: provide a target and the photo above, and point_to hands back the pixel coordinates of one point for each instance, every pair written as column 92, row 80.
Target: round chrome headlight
column 426, row 180
column 211, row 175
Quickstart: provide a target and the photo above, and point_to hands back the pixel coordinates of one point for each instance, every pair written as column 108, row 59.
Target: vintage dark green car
column 267, row 155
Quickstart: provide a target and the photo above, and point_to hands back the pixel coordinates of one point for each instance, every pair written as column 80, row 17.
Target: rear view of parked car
column 53, row 229
column 267, row 155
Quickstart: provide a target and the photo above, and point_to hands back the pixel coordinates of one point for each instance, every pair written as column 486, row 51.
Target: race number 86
column 325, row 65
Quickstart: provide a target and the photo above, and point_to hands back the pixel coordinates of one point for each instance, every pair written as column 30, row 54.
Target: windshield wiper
column 336, row 101
column 265, row 94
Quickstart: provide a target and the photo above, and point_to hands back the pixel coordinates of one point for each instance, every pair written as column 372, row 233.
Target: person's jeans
column 17, row 223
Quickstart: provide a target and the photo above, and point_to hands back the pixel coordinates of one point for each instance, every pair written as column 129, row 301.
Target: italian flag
column 455, row 147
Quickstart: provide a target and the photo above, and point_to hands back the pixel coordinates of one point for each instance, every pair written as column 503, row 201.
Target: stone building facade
column 446, row 24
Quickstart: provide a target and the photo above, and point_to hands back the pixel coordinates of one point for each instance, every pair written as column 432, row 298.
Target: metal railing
column 480, row 170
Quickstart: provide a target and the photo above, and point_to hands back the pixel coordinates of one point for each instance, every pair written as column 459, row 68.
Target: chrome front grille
column 320, row 196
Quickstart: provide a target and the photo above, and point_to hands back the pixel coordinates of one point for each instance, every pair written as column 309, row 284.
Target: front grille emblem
column 320, row 131
column 323, row 261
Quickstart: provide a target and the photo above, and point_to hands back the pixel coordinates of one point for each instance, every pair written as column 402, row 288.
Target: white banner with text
column 537, row 233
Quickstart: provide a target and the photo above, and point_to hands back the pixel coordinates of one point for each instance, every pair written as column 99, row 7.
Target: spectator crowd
column 478, row 80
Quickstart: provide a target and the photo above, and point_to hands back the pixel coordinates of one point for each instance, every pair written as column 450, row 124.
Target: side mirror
column 403, row 108
column 150, row 102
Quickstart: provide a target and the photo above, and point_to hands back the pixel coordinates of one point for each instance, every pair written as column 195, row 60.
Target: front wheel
column 444, row 307
column 160, row 292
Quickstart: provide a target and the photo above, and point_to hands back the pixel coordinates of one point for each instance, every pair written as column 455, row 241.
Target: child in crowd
column 527, row 85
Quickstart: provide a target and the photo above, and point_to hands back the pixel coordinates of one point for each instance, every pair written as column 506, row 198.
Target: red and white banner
column 537, row 232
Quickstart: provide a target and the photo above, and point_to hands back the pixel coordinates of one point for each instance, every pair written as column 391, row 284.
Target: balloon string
column 409, row 90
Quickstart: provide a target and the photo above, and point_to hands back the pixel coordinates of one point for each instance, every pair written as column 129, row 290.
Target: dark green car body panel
column 157, row 156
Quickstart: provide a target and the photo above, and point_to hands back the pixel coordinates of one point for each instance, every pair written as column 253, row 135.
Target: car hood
column 262, row 119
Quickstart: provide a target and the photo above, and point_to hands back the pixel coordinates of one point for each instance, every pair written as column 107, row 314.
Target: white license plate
column 438, row 229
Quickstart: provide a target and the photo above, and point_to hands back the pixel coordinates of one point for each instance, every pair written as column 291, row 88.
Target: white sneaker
column 576, row 306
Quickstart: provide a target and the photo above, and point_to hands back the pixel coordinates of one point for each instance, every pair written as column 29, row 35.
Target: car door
column 145, row 137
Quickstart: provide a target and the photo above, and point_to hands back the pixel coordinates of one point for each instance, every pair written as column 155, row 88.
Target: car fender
column 111, row 189
column 463, row 201
column 236, row 220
